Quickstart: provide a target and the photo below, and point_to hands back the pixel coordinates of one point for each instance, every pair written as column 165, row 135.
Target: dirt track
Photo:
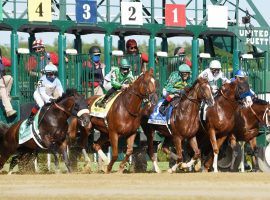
column 137, row 186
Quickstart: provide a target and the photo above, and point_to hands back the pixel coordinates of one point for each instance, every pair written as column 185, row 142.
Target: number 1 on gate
column 175, row 15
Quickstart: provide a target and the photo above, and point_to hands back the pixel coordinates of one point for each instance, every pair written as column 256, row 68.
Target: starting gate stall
column 163, row 19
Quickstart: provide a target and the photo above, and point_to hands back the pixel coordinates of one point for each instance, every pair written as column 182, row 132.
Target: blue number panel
column 86, row 11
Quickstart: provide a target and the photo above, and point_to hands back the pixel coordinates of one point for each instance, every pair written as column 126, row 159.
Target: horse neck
column 131, row 100
column 191, row 99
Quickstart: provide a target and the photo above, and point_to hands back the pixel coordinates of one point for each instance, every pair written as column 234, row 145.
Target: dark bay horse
column 123, row 118
column 221, row 118
column 53, row 128
column 184, row 121
column 247, row 124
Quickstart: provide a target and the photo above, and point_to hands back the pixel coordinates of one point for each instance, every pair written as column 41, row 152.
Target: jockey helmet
column 124, row 66
column 240, row 73
column 94, row 50
column 51, row 72
column 50, row 68
column 38, row 44
column 215, row 64
column 184, row 68
column 131, row 43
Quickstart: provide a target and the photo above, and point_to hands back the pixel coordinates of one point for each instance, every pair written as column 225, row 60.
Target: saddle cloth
column 157, row 118
column 96, row 111
column 28, row 132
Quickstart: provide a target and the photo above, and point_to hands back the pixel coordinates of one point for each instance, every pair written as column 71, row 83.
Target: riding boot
column 32, row 115
column 164, row 106
column 102, row 103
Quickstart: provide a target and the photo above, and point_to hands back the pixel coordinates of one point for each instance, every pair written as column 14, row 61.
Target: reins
column 265, row 116
column 142, row 97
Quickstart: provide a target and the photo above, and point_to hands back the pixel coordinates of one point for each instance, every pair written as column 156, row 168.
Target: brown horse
column 184, row 121
column 53, row 128
column 248, row 122
column 220, row 119
column 123, row 118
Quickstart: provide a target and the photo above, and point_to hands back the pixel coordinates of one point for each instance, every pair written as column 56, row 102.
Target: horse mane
column 199, row 79
column 259, row 101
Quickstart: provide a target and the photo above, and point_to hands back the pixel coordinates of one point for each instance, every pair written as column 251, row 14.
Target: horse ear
column 151, row 71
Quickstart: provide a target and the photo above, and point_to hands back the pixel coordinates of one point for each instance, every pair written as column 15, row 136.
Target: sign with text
column 258, row 37
column 131, row 13
column 217, row 16
column 175, row 15
column 40, row 10
column 86, row 11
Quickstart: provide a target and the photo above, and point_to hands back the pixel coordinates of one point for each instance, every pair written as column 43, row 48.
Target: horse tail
column 3, row 129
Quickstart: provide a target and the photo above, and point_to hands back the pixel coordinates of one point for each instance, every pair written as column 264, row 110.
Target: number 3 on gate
column 86, row 11
column 40, row 10
column 131, row 13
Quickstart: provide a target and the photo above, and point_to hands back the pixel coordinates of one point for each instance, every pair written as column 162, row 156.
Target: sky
column 49, row 38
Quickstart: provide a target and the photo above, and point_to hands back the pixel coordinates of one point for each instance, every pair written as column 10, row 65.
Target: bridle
column 196, row 100
column 143, row 97
column 264, row 119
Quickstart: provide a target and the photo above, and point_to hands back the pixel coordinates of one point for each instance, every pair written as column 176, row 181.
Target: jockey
column 120, row 79
column 240, row 74
column 49, row 88
column 176, row 83
column 213, row 74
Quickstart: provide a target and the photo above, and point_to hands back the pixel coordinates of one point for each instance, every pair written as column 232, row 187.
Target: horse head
column 145, row 85
column 203, row 90
column 75, row 105
column 235, row 89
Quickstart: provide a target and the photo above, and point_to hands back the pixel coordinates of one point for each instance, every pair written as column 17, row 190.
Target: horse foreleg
column 14, row 161
column 233, row 144
column 114, row 145
column 253, row 145
column 98, row 147
column 216, row 144
column 178, row 146
column 63, row 150
column 150, row 150
column 130, row 142
column 56, row 162
column 197, row 154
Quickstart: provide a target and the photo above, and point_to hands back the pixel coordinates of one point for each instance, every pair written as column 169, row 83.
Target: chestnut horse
column 53, row 128
column 248, row 122
column 184, row 121
column 220, row 119
column 123, row 118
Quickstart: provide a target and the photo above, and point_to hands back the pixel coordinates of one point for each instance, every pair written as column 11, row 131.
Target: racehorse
column 247, row 125
column 123, row 118
column 52, row 125
column 184, row 121
column 220, row 119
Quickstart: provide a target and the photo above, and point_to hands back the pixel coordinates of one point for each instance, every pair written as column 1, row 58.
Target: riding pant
column 5, row 88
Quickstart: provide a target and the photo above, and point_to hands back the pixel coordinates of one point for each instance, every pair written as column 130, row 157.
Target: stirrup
column 162, row 110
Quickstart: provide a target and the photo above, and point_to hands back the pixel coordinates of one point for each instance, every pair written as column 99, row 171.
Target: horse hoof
column 198, row 166
column 184, row 166
column 170, row 171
